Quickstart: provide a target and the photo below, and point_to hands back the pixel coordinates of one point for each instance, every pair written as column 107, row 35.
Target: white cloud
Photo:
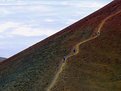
column 32, row 8
column 84, row 4
column 25, row 9
column 7, row 25
column 4, row 11
column 13, row 28
column 1, row 36
column 49, row 20
column 29, row 31
column 92, row 5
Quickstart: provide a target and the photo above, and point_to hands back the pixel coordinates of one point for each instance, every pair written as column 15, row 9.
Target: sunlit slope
column 98, row 65
column 34, row 68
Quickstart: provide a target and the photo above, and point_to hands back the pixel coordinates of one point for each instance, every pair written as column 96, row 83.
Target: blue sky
column 26, row 22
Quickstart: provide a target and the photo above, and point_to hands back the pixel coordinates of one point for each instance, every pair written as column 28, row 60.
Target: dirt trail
column 75, row 50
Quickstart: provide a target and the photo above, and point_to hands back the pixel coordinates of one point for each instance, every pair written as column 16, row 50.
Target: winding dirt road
column 75, row 50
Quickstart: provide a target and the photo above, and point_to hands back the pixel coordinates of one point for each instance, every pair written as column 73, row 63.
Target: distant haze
column 2, row 59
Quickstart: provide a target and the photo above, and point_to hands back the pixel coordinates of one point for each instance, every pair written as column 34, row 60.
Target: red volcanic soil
column 98, row 65
column 33, row 69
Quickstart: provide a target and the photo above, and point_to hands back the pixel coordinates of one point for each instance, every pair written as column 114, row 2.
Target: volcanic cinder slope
column 96, row 66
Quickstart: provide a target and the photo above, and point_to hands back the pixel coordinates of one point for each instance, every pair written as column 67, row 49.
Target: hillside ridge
column 56, row 63
column 75, row 50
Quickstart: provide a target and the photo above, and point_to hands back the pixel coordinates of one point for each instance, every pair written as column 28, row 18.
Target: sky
column 26, row 22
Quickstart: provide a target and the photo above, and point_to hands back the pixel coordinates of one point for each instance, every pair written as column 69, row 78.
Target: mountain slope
column 96, row 67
